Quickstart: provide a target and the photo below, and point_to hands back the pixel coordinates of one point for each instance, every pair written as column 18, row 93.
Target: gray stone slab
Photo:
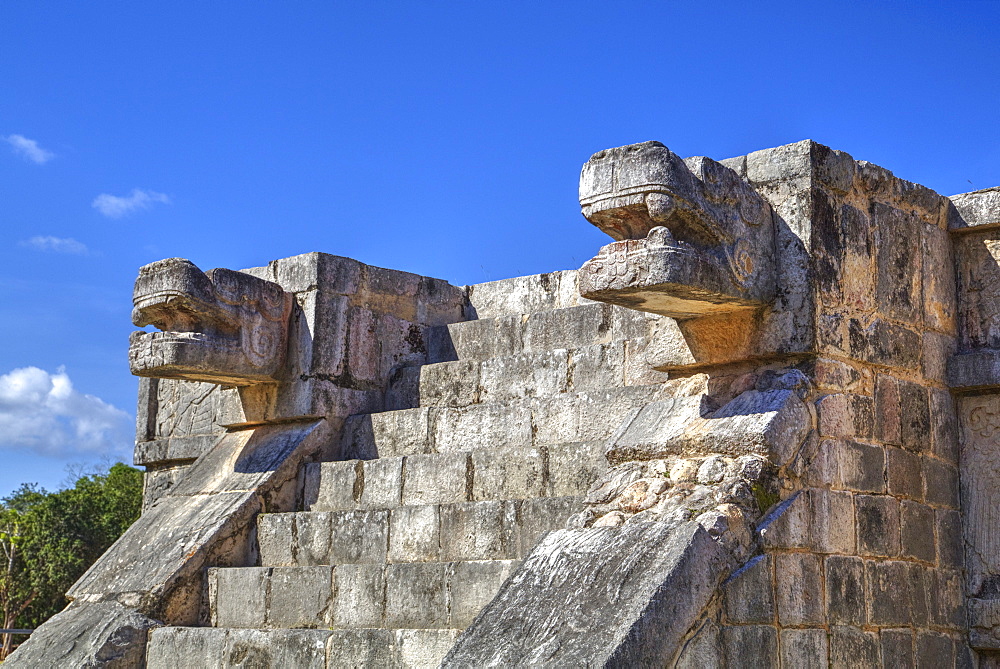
column 358, row 536
column 748, row 595
column 383, row 483
column 573, row 467
column 483, row 426
column 520, row 295
column 97, row 634
column 300, row 597
column 568, row 328
column 479, row 531
column 471, row 586
column 360, row 596
column 543, row 514
column 416, row 595
column 512, row 377
column 753, row 645
column 414, row 534
column 598, row 366
column 276, row 539
column 275, row 648
column 450, row 384
column 597, row 597
column 475, row 340
column 799, row 589
column 436, row 478
column 422, row 648
column 805, row 648
column 238, row 597
column 332, row 486
column 362, row 648
column 185, row 647
column 404, row 432
column 508, row 474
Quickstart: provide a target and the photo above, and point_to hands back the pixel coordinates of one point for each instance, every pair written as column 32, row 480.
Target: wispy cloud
column 66, row 245
column 42, row 412
column 29, row 149
column 116, row 206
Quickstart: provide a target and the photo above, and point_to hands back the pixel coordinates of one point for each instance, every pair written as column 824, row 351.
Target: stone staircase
column 433, row 502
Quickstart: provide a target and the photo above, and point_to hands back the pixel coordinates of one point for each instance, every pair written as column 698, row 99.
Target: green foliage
column 50, row 539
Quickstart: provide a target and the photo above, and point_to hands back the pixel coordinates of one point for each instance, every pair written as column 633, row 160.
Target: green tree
column 51, row 539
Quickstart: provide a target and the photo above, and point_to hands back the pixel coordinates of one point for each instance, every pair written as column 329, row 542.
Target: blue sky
column 439, row 138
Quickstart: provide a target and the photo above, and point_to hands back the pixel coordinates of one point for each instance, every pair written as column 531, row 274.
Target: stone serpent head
column 219, row 326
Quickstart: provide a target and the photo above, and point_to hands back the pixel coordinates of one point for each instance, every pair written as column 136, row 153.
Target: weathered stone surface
column 748, row 594
column 799, row 589
column 185, row 647
column 87, row 634
column 846, row 594
column 854, row 648
column 981, row 207
column 697, row 238
column 804, row 648
column 196, row 311
column 591, row 596
column 756, row 645
column 772, row 423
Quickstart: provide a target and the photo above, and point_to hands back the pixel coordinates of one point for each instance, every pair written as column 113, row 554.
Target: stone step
column 550, row 470
column 427, row 595
column 187, row 647
column 467, row 531
column 591, row 415
column 462, row 383
column 568, row 328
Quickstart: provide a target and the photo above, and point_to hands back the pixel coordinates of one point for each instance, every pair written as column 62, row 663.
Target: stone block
column 804, row 648
column 471, row 586
column 946, row 601
column 934, row 650
column 317, row 271
column 483, row 426
column 629, row 324
column 754, row 645
column 449, row 384
column 436, row 478
column 904, row 474
column 950, row 545
column 300, row 597
column 360, row 596
column 638, row 365
column 917, row 531
column 703, row 650
column 831, row 521
column 362, row 648
column 573, row 467
column 312, row 538
column 414, row 534
column 479, row 531
column 938, row 348
column 598, row 366
column 355, row 537
column 537, row 374
column 403, row 391
column 396, row 433
column 858, row 467
column 899, row 262
column 897, row 648
column 238, row 597
column 748, row 595
column 383, row 484
column 888, row 596
column 915, row 416
column 940, row 483
column 883, row 343
column 332, row 486
column 575, row 327
column 878, row 525
column 835, row 417
column 276, row 539
column 184, row 647
column 422, row 648
column 439, row 302
column 587, row 416
column 888, row 420
column 846, row 596
column 475, row 340
column 503, row 474
column 416, row 595
column 799, row 589
column 519, row 295
column 538, row 516
column 944, row 425
column 852, row 648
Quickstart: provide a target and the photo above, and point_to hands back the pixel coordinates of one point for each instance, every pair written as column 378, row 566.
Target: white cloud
column 42, row 412
column 29, row 149
column 116, row 206
column 56, row 245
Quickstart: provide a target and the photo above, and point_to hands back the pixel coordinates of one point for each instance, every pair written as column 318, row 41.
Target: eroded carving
column 694, row 238
column 219, row 326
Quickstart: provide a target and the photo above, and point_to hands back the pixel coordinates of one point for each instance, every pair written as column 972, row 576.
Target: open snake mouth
column 183, row 319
